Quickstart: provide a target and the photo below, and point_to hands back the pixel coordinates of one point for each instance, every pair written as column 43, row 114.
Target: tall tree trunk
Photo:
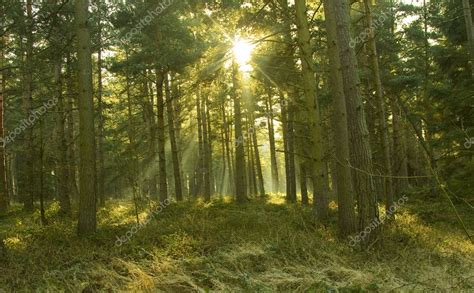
column 382, row 116
column 63, row 174
column 227, row 138
column 13, row 178
column 312, row 115
column 198, row 188
column 429, row 130
column 70, row 133
column 258, row 164
column 170, row 97
column 470, row 31
column 252, row 180
column 41, row 174
column 287, row 139
column 87, row 199
column 206, row 150
column 240, row 182
column 291, row 150
column 361, row 153
column 343, row 180
column 133, row 166
column 4, row 196
column 100, row 114
column 28, row 102
column 152, row 178
column 271, row 139
column 399, row 149
column 222, row 186
column 160, row 105
column 209, row 144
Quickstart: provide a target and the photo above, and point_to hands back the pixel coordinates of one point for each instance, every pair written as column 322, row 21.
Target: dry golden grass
column 262, row 246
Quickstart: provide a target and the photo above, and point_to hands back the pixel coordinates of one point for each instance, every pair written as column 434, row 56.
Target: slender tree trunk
column 162, row 179
column 287, row 130
column 258, row 164
column 152, row 178
column 399, row 149
column 227, row 138
column 222, row 186
column 343, row 180
column 87, row 200
column 291, row 136
column 470, row 31
column 44, row 222
column 382, row 116
column 209, row 144
column 271, row 139
column 240, row 182
column 174, row 145
column 252, row 180
column 28, row 102
column 133, row 167
column 100, row 115
column 63, row 179
column 429, row 130
column 4, row 195
column 312, row 115
column 206, row 150
column 70, row 130
column 201, row 153
column 13, row 178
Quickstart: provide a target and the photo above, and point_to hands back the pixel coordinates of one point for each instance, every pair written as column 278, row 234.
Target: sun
column 242, row 50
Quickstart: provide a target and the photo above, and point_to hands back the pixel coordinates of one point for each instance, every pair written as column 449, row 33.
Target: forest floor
column 265, row 245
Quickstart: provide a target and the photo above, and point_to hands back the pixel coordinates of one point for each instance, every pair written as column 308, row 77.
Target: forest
column 236, row 146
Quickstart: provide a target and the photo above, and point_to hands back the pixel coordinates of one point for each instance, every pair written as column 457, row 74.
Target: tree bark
column 160, row 105
column 87, row 199
column 470, row 31
column 28, row 104
column 206, row 171
column 174, row 145
column 312, row 115
column 198, row 187
column 343, row 180
column 100, row 114
column 70, row 131
column 361, row 153
column 382, row 116
column 63, row 174
column 133, row 158
column 288, row 149
column 150, row 105
column 209, row 144
column 271, row 139
column 258, row 164
column 4, row 195
column 227, row 138
column 240, row 182
column 399, row 149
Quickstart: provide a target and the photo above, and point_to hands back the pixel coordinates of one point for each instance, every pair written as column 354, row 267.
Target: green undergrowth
column 262, row 246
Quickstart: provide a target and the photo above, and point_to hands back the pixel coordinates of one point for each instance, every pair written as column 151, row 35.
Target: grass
column 261, row 246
